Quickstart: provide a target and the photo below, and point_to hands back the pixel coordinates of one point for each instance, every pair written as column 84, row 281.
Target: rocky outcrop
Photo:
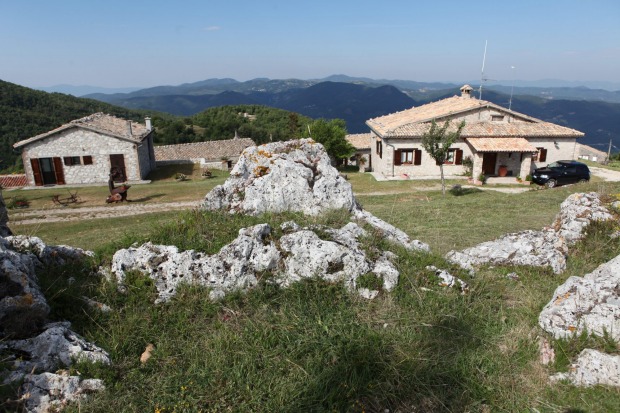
column 49, row 392
column 283, row 176
column 298, row 254
column 590, row 303
column 545, row 248
column 592, row 368
column 30, row 347
column 294, row 176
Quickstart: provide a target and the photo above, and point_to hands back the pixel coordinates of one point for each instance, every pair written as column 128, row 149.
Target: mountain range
column 596, row 112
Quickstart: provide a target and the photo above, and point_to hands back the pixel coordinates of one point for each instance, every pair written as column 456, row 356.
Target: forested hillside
column 26, row 112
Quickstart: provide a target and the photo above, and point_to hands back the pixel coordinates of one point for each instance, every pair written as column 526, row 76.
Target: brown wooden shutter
column 60, row 175
column 397, row 157
column 543, row 155
column 458, row 157
column 36, row 172
column 417, row 157
column 88, row 160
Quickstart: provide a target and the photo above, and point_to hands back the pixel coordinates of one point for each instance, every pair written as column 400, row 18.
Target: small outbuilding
column 221, row 154
column 84, row 151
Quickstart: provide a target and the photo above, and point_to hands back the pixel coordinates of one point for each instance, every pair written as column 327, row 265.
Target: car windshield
column 556, row 165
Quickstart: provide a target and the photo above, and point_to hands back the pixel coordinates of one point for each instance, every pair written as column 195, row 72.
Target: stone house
column 499, row 141
column 221, row 154
column 84, row 150
column 589, row 153
column 361, row 143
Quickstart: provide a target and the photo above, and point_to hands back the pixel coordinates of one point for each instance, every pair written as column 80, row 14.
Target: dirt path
column 606, row 174
column 39, row 216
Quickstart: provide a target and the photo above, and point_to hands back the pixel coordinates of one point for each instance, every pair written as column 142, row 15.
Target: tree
column 437, row 142
column 332, row 135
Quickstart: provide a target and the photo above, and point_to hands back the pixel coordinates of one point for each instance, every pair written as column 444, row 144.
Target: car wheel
column 583, row 181
column 551, row 183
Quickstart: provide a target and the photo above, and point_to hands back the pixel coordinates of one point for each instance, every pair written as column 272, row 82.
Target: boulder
column 545, row 248
column 592, row 368
column 590, row 303
column 49, row 392
column 283, row 176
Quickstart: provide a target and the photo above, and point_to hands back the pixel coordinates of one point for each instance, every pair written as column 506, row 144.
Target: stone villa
column 499, row 141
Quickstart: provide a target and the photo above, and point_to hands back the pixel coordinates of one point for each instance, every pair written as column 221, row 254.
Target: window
column 88, row 160
column 408, row 157
column 72, row 160
column 497, row 118
column 540, row 156
column 454, row 157
column 379, row 148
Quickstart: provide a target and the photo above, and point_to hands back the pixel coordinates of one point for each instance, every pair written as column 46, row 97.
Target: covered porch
column 508, row 158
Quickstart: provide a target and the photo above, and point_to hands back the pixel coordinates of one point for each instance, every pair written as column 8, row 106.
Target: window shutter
column 397, row 157
column 67, row 160
column 36, row 172
column 458, row 157
column 88, row 160
column 543, row 155
column 60, row 176
column 417, row 157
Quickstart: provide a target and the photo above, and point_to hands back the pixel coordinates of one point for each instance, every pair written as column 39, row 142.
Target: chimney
column 149, row 126
column 466, row 91
column 129, row 131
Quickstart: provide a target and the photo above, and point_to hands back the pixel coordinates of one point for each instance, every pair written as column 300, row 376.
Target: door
column 117, row 164
column 488, row 163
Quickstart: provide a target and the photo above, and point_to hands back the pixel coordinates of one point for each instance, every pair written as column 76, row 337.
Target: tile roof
column 501, row 145
column 416, row 121
column 360, row 140
column 13, row 181
column 98, row 122
column 210, row 150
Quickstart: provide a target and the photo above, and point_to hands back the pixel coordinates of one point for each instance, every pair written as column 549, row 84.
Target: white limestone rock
column 390, row 232
column 385, row 269
column 545, row 248
column 591, row 304
column 448, row 280
column 235, row 267
column 592, row 368
column 576, row 213
column 534, row 248
column 47, row 392
column 56, row 347
column 47, row 254
column 283, row 176
column 308, row 256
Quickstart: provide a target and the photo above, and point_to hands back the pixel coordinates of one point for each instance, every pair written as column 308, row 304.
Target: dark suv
column 560, row 173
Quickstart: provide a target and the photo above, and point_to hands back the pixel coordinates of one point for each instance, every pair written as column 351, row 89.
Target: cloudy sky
column 135, row 43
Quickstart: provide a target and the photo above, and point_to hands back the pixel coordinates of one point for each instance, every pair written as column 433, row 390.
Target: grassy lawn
column 315, row 347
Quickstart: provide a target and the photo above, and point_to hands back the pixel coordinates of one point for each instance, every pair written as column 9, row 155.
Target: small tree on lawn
column 332, row 135
column 437, row 142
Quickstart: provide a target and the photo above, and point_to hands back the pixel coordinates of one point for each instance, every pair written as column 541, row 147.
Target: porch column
column 526, row 165
column 476, row 169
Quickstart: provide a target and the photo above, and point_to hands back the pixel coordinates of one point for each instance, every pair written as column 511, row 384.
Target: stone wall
column 146, row 155
column 81, row 142
column 557, row 149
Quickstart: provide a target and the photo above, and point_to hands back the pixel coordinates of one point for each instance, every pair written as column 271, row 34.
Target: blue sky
column 146, row 43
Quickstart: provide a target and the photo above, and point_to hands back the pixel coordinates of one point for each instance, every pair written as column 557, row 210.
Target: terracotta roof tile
column 211, row 150
column 416, row 121
column 501, row 145
column 360, row 140
column 98, row 122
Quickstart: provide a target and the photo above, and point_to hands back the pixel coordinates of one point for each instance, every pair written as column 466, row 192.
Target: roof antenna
column 512, row 88
column 482, row 79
